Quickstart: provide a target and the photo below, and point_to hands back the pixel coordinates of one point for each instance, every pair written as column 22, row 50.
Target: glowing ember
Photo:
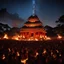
column 60, row 55
column 59, row 36
column 16, row 37
column 36, row 54
column 24, row 61
column 18, row 54
column 54, row 56
column 23, row 36
column 47, row 38
column 51, row 53
column 57, row 51
column 9, row 49
column 36, row 39
column 41, row 36
column 3, row 57
column 44, row 52
column 5, row 36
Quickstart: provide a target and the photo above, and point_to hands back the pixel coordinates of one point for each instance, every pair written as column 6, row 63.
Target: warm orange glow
column 47, row 38
column 3, row 57
column 5, row 36
column 18, row 54
column 36, row 54
column 59, row 36
column 16, row 37
column 57, row 51
column 33, row 39
column 36, row 39
column 44, row 52
column 9, row 49
column 24, row 60
column 23, row 36
column 41, row 36
column 54, row 56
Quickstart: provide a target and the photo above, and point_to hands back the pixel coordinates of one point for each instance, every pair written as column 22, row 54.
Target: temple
column 33, row 29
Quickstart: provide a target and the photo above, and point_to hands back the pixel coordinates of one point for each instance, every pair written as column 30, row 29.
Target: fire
column 18, row 54
column 5, row 36
column 59, row 36
column 44, row 52
column 3, row 57
column 16, row 37
column 36, row 54
column 24, row 61
column 36, row 39
column 47, row 38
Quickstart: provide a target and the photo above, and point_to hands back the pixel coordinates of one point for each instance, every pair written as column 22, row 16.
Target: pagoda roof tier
column 28, row 22
column 33, row 18
column 32, row 27
column 33, row 30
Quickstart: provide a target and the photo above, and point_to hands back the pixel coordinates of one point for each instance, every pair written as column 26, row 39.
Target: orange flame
column 47, row 38
column 5, row 36
column 24, row 60
column 59, row 36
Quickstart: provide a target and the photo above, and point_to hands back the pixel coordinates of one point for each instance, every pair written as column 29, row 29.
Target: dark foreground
column 46, row 52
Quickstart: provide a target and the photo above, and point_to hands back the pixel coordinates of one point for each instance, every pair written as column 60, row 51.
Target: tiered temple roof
column 33, row 28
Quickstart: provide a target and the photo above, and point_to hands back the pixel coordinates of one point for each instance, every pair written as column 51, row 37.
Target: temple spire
column 34, row 7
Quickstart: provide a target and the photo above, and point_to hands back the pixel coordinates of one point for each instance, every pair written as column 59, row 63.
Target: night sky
column 47, row 10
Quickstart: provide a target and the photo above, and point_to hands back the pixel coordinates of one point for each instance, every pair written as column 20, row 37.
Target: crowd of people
column 42, row 52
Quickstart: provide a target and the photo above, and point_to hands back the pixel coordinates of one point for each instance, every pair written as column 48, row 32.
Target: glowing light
column 57, row 51
column 60, row 55
column 51, row 53
column 3, row 57
column 44, row 52
column 47, row 38
column 36, row 54
column 54, row 56
column 24, row 60
column 41, row 36
column 23, row 36
column 9, row 49
column 18, row 54
column 59, row 36
column 16, row 37
column 36, row 39
column 5, row 36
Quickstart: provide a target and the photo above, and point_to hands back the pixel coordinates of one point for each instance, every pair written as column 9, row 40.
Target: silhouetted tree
column 60, row 21
column 50, row 31
column 59, row 29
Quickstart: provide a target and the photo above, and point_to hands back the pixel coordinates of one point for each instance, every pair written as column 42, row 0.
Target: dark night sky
column 47, row 10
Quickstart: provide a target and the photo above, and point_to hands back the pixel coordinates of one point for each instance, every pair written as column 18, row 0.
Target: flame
column 18, row 54
column 36, row 39
column 41, row 36
column 59, row 36
column 36, row 54
column 5, row 36
column 44, row 52
column 9, row 49
column 3, row 57
column 16, row 37
column 47, row 38
column 24, row 60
